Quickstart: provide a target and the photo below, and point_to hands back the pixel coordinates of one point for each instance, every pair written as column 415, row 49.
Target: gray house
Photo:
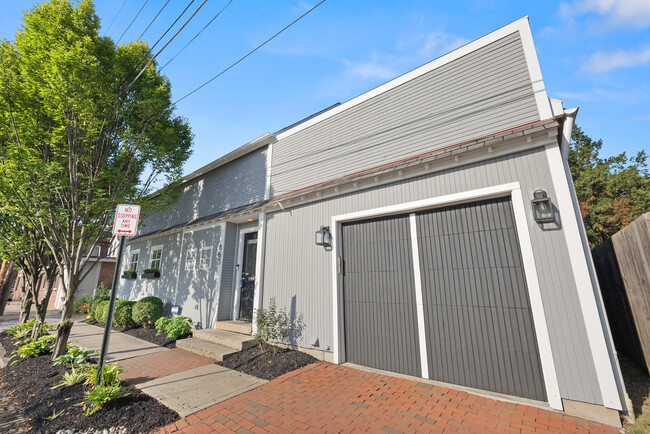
column 450, row 245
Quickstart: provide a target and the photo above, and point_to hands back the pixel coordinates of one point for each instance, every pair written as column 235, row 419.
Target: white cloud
column 619, row 13
column 438, row 43
column 370, row 70
column 607, row 61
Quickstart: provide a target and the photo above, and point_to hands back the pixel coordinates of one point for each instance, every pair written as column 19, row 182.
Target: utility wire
column 113, row 20
column 168, row 42
column 195, row 36
column 122, row 19
column 154, row 19
column 132, row 21
column 154, row 45
column 249, row 53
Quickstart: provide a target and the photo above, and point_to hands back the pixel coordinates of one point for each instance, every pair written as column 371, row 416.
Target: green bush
column 147, row 311
column 20, row 331
column 100, row 396
column 82, row 305
column 174, row 327
column 122, row 317
column 271, row 325
column 74, row 356
column 102, row 291
column 101, row 311
column 92, row 310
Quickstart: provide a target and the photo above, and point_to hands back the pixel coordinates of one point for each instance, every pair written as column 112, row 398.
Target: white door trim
column 237, row 271
column 419, row 305
column 539, row 318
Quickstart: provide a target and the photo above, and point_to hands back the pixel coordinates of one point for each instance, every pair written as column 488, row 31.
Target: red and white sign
column 126, row 220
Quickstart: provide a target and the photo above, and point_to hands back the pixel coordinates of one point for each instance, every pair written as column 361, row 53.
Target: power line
column 195, row 36
column 132, row 21
column 154, row 19
column 249, row 53
column 113, row 20
column 168, row 42
column 122, row 19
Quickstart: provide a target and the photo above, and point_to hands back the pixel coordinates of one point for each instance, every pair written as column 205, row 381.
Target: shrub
column 271, row 325
column 109, row 378
column 92, row 310
column 35, row 348
column 102, row 291
column 101, row 311
column 81, row 305
column 174, row 327
column 123, row 314
column 147, row 311
column 149, row 270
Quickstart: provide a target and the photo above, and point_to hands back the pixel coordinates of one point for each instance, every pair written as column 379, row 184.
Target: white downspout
column 567, row 129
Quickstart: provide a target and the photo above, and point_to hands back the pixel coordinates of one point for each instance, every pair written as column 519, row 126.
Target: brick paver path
column 160, row 364
column 332, row 398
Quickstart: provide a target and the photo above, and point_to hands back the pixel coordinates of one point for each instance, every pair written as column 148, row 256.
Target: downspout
column 567, row 129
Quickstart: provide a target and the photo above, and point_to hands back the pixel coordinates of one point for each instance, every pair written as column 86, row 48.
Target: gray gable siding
column 486, row 91
column 297, row 273
column 234, row 184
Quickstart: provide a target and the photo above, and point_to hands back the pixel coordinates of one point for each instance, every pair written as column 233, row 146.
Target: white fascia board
column 520, row 25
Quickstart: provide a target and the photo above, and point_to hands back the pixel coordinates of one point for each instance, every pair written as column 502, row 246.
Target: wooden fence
column 623, row 268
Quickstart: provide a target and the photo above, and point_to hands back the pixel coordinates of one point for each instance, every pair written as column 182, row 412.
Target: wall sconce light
column 542, row 207
column 324, row 237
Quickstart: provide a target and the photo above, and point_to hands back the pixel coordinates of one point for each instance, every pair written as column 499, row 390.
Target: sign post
column 124, row 225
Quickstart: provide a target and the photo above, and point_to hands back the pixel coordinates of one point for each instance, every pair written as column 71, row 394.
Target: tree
column 612, row 192
column 77, row 137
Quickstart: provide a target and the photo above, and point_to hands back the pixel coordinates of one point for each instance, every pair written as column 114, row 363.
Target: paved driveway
column 324, row 397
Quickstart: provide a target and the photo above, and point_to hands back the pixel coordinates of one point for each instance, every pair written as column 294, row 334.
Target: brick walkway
column 331, row 398
column 157, row 365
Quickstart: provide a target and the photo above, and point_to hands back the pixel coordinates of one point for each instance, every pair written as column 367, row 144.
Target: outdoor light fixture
column 542, row 208
column 323, row 236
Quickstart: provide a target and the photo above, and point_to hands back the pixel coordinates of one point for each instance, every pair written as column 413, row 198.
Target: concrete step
column 242, row 327
column 236, row 341
column 205, row 348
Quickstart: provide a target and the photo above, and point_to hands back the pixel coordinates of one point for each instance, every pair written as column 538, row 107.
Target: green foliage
column 101, row 311
column 98, row 397
column 123, row 314
column 147, row 311
column 612, row 192
column 271, row 325
column 71, row 378
column 150, row 270
column 102, row 292
column 81, row 305
column 92, row 310
column 174, row 327
column 20, row 331
column 131, row 271
column 73, row 357
column 54, row 415
column 35, row 348
column 109, row 378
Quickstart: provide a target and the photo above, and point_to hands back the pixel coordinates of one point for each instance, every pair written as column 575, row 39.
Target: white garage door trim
column 539, row 318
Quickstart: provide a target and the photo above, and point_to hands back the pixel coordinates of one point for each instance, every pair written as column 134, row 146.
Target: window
column 205, row 260
column 190, row 259
column 156, row 257
column 133, row 263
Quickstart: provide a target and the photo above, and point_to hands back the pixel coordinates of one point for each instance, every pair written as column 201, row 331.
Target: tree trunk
column 6, row 282
column 25, row 304
column 64, row 327
column 41, row 308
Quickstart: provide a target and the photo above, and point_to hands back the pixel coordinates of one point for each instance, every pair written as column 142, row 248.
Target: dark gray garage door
column 477, row 319
column 379, row 293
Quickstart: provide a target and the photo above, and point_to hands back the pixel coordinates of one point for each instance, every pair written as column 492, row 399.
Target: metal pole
column 109, row 316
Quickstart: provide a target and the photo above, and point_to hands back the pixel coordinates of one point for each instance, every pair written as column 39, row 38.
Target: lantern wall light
column 542, row 207
column 324, row 237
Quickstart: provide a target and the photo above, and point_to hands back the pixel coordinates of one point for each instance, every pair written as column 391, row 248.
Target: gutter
column 567, row 129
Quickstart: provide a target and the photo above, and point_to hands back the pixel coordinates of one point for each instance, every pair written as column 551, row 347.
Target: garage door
column 478, row 325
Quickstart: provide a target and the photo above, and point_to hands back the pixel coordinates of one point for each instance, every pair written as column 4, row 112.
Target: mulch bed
column 267, row 365
column 148, row 335
column 28, row 383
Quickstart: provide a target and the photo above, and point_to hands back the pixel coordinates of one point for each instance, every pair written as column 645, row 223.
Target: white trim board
column 583, row 281
column 237, row 271
column 513, row 190
column 419, row 305
column 520, row 25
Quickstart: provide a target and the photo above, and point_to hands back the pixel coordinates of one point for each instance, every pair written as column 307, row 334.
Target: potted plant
column 150, row 273
column 129, row 274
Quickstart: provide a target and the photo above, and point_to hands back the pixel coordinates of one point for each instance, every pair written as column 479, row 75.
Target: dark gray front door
column 379, row 295
column 478, row 322
column 247, row 282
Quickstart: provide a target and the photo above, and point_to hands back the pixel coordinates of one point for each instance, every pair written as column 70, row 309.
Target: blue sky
column 594, row 54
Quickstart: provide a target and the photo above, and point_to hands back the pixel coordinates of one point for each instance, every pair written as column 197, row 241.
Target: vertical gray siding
column 237, row 183
column 381, row 327
column 483, row 92
column 296, row 270
column 227, row 274
column 478, row 321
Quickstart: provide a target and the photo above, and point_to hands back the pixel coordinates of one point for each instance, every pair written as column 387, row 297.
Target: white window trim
column 187, row 253
column 151, row 251
column 513, row 190
column 129, row 263
column 237, row 270
column 201, row 250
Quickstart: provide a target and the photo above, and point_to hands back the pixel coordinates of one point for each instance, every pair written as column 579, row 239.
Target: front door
column 247, row 282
